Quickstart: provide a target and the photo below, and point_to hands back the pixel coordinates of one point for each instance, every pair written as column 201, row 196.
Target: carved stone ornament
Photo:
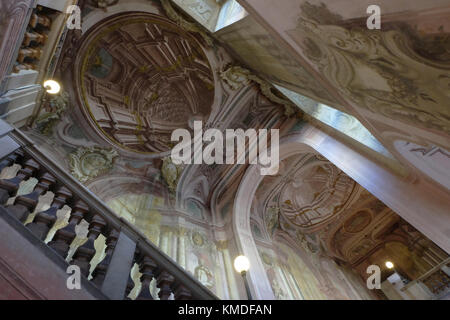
column 171, row 173
column 237, row 77
column 88, row 163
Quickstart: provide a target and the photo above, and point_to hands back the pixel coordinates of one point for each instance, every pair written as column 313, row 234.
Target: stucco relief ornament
column 186, row 25
column 236, row 77
column 88, row 163
column 53, row 110
column 171, row 173
column 203, row 274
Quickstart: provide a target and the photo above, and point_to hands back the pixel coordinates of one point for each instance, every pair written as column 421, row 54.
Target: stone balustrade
column 436, row 280
column 125, row 245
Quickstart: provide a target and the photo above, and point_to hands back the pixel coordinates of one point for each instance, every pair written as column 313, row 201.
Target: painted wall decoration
column 237, row 77
column 260, row 52
column 432, row 161
column 408, row 78
column 308, row 277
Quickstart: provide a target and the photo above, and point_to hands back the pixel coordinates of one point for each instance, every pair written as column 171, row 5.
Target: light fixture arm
column 247, row 288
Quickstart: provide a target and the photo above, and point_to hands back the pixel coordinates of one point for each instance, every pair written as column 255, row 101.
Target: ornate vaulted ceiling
column 326, row 212
column 140, row 77
column 395, row 80
column 309, row 193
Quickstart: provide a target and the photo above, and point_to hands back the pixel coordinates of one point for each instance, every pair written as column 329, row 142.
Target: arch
column 421, row 204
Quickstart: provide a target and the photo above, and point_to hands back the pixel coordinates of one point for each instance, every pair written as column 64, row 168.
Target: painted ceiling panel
column 253, row 44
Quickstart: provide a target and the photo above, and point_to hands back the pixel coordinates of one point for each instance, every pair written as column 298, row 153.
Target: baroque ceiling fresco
column 398, row 72
column 395, row 80
column 260, row 52
column 141, row 78
column 132, row 78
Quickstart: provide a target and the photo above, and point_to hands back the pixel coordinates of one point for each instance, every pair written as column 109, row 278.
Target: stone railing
column 125, row 245
column 435, row 280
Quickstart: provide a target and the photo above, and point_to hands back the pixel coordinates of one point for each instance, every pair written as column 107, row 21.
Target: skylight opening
column 230, row 13
column 336, row 119
column 213, row 14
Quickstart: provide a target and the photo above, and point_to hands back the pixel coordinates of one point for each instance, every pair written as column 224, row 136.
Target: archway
column 408, row 200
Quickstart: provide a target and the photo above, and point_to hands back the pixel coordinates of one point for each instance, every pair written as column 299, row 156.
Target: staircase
column 436, row 280
column 33, row 269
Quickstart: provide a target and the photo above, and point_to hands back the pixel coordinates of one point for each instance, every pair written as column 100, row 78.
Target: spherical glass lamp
column 241, row 264
column 52, row 87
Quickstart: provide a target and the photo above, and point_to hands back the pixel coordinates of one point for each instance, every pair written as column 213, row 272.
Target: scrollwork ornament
column 186, row 25
column 88, row 163
column 236, row 77
column 53, row 111
column 404, row 84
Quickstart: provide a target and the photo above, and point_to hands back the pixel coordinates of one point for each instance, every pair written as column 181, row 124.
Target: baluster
column 29, row 53
column 164, row 282
column 147, row 267
column 11, row 159
column 130, row 283
column 39, row 19
column 9, row 187
column 86, row 252
column 25, row 204
column 64, row 236
column 100, row 271
column 180, row 292
column 34, row 36
column 44, row 220
column 129, row 288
